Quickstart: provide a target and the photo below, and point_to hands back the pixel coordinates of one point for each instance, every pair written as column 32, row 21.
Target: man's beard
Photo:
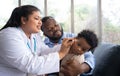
column 55, row 39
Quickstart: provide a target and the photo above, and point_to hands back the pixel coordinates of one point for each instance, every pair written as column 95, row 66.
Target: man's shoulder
column 68, row 34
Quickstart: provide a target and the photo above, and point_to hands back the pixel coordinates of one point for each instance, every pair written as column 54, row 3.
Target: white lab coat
column 16, row 59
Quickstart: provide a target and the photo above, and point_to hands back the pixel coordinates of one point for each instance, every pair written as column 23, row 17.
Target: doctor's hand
column 65, row 47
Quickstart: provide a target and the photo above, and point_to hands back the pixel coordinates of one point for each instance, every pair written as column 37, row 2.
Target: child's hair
column 90, row 37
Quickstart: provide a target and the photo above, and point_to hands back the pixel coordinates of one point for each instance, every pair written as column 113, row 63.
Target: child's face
column 80, row 46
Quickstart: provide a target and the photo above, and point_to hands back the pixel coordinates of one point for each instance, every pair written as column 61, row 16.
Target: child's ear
column 23, row 20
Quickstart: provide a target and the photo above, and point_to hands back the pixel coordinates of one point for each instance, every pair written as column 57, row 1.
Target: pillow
column 107, row 59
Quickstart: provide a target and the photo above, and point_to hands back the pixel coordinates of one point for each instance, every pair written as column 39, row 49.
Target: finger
column 64, row 72
column 69, row 61
column 64, row 67
column 68, row 40
column 67, row 73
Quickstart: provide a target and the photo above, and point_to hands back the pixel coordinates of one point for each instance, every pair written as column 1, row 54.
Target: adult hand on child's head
column 65, row 47
column 71, row 68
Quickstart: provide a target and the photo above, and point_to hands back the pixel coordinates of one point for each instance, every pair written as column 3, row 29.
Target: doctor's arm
column 15, row 52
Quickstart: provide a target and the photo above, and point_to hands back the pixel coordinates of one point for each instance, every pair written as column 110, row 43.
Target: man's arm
column 74, row 68
column 90, row 61
column 84, row 68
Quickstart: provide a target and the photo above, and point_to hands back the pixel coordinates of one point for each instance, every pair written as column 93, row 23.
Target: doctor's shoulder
column 10, row 32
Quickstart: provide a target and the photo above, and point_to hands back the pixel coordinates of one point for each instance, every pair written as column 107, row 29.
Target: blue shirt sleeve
column 90, row 60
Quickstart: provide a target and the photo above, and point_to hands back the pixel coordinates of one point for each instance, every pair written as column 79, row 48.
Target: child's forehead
column 80, row 40
column 77, row 38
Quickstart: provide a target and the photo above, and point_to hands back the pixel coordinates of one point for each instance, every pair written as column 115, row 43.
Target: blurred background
column 101, row 16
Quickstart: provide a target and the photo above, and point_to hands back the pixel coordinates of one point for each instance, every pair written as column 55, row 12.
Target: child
column 85, row 41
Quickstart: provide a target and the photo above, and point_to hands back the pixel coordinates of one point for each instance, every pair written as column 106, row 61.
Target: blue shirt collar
column 51, row 44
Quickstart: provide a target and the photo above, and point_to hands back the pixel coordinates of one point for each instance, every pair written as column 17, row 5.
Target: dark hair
column 90, row 37
column 18, row 12
column 44, row 19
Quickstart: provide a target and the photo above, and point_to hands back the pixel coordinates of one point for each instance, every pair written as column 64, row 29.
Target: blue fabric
column 89, row 58
column 107, row 58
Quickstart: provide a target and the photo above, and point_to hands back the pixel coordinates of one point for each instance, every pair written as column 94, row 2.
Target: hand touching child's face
column 79, row 46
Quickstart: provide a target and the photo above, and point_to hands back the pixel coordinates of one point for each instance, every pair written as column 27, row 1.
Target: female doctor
column 20, row 44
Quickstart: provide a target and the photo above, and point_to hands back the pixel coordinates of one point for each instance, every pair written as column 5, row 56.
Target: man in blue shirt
column 54, row 35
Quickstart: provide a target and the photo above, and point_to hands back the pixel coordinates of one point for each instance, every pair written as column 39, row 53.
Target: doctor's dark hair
column 90, row 37
column 18, row 12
